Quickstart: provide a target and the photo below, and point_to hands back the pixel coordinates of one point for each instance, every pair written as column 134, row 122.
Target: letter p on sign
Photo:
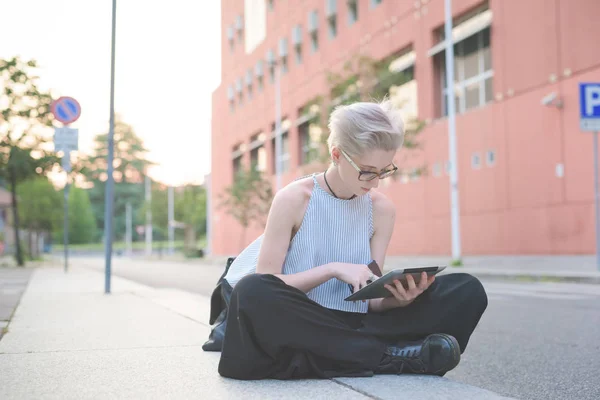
column 589, row 106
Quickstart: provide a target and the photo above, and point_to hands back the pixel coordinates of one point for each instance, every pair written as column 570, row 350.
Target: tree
column 361, row 79
column 130, row 168
column 25, row 112
column 40, row 209
column 189, row 209
column 82, row 224
column 248, row 199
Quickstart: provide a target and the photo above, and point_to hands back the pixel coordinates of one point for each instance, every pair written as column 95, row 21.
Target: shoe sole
column 455, row 353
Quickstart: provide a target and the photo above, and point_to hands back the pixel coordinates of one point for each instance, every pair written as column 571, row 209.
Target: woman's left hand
column 405, row 296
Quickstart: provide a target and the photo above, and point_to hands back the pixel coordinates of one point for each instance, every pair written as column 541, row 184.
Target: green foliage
column 130, row 157
column 363, row 78
column 189, row 209
column 41, row 205
column 130, row 168
column 82, row 225
column 25, row 117
column 248, row 199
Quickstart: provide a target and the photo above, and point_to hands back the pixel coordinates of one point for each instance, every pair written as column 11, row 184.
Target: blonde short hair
column 363, row 126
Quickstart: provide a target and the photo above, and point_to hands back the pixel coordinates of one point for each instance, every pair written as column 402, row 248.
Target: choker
column 331, row 190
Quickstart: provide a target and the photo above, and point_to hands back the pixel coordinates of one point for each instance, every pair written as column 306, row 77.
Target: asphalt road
column 535, row 341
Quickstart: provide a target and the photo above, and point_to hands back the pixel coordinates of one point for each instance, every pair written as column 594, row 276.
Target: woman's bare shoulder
column 295, row 195
column 382, row 205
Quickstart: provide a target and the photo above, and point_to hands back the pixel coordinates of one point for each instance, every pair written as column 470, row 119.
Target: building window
column 258, row 153
column 331, row 13
column 230, row 37
column 352, row 11
column 297, row 41
column 237, row 159
column 375, row 3
column 283, row 54
column 239, row 27
column 231, row 98
column 240, row 90
column 473, row 73
column 271, row 4
column 249, row 82
column 313, row 30
column 285, row 153
column 271, row 64
column 475, row 161
column 490, row 158
column 259, row 72
column 285, row 147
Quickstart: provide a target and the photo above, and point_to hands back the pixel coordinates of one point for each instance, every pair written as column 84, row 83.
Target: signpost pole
column 66, row 216
column 589, row 121
column 66, row 139
column 597, row 199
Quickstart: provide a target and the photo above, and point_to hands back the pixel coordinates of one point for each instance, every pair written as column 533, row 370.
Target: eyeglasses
column 370, row 175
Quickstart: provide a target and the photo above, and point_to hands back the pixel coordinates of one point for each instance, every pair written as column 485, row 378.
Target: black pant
column 275, row 331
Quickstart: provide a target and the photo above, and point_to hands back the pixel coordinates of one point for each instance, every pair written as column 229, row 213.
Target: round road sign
column 66, row 109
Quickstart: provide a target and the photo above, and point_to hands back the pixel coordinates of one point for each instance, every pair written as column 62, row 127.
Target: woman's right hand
column 356, row 275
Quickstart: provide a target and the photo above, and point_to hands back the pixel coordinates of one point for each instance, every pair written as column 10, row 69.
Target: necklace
column 330, row 189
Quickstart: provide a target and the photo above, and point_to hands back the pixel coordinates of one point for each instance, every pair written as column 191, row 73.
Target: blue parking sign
column 589, row 106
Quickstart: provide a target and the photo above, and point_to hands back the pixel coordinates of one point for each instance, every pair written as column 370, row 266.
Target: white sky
column 167, row 65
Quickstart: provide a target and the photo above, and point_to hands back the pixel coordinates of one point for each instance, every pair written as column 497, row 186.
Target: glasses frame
column 377, row 174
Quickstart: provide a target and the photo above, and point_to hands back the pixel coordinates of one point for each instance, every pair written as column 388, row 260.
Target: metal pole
column 148, row 230
column 454, row 205
column 597, row 199
column 66, row 222
column 171, row 230
column 128, row 229
column 278, row 133
column 108, row 206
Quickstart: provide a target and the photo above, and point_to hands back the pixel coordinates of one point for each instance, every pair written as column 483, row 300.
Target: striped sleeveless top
column 332, row 230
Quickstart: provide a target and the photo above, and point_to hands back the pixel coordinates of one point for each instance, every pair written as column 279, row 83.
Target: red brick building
column 525, row 168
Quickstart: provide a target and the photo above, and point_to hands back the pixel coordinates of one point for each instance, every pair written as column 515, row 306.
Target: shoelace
column 410, row 358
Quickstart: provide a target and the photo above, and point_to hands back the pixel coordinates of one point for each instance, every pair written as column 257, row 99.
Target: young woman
column 287, row 317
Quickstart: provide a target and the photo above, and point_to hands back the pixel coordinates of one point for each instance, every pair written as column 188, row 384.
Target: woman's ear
column 335, row 155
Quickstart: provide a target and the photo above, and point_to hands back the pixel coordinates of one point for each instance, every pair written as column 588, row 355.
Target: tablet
column 376, row 289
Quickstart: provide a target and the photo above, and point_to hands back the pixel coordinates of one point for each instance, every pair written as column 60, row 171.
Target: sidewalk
column 570, row 268
column 69, row 340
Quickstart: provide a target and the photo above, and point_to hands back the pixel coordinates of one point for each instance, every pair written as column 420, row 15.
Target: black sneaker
column 434, row 355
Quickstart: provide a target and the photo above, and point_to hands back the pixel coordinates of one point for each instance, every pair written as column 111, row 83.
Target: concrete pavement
column 67, row 339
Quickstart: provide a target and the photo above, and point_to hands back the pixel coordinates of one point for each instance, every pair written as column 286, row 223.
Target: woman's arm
column 287, row 211
column 384, row 217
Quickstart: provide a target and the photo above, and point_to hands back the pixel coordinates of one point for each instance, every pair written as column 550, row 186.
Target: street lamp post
column 454, row 205
column 278, row 141
column 108, row 206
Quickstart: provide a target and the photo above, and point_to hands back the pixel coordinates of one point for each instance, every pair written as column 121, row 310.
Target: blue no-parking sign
column 589, row 106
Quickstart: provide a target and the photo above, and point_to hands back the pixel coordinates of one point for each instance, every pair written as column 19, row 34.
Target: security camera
column 552, row 100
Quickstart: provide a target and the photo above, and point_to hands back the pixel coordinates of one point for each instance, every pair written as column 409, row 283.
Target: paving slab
column 417, row 387
column 149, row 373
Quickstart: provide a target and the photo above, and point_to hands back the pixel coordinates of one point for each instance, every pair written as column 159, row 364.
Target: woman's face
column 357, row 172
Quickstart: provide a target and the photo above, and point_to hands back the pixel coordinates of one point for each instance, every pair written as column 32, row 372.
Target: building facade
column 525, row 169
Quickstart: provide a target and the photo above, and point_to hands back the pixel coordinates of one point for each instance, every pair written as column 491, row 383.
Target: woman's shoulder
column 297, row 191
column 382, row 204
column 294, row 197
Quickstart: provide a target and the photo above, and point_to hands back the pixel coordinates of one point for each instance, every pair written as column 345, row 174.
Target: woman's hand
column 405, row 296
column 356, row 275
